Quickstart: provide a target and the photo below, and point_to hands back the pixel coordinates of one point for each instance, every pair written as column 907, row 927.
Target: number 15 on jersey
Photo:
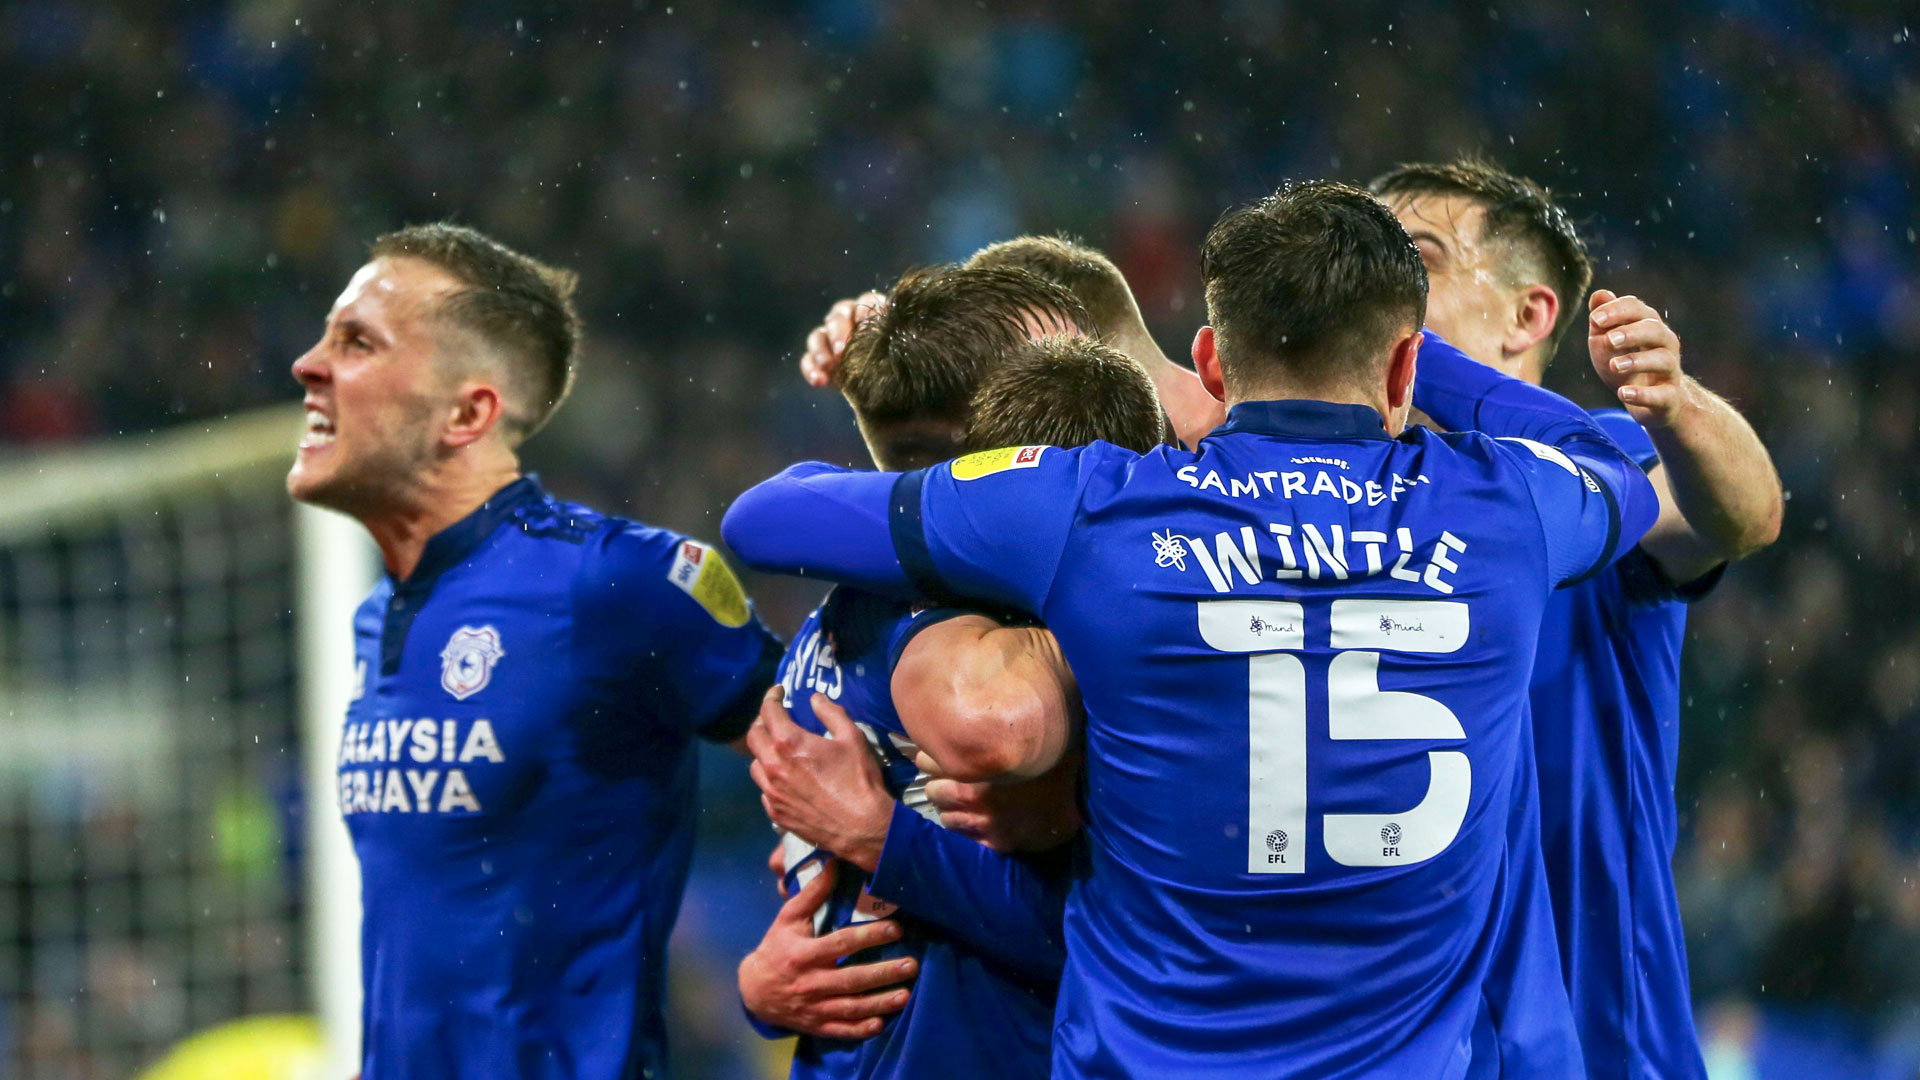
column 1277, row 798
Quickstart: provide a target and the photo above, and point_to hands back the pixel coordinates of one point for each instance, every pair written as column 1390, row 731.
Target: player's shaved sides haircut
column 1083, row 271
column 1521, row 217
column 1066, row 391
column 924, row 354
column 517, row 305
column 1310, row 284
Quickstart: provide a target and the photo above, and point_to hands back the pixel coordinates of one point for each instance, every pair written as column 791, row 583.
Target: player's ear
column 476, row 411
column 1535, row 310
column 1206, row 362
column 1400, row 371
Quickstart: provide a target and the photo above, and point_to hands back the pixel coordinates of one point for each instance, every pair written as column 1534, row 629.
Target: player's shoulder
column 861, row 624
column 368, row 617
column 639, row 567
column 1041, row 463
column 1497, row 453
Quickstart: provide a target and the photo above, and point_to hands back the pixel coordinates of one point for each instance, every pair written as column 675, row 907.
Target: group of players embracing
column 1160, row 722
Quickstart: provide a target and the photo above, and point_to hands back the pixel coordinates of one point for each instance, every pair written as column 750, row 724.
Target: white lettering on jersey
column 1255, row 485
column 423, row 741
column 1330, row 553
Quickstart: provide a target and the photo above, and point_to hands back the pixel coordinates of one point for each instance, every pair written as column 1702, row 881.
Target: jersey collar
column 450, row 546
column 1313, row 419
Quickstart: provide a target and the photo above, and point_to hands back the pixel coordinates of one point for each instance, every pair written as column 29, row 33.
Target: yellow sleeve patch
column 701, row 573
column 988, row 462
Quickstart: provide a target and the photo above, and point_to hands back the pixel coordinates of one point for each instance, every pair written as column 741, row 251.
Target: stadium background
column 185, row 186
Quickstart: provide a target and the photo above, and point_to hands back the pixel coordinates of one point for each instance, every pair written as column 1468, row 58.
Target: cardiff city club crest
column 466, row 664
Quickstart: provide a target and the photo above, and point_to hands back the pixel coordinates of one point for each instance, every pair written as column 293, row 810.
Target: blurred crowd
column 184, row 186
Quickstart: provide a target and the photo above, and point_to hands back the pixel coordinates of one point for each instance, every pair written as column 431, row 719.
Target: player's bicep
column 989, row 526
column 985, row 701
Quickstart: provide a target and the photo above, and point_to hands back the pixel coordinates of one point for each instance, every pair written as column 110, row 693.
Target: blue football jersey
column 977, row 1006
column 517, row 771
column 1303, row 653
column 1606, row 706
column 1526, row 1031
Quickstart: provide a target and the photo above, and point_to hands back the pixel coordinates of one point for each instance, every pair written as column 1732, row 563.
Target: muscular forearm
column 1722, row 481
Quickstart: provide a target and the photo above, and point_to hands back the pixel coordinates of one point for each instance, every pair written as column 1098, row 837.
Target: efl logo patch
column 466, row 664
column 988, row 462
column 702, row 574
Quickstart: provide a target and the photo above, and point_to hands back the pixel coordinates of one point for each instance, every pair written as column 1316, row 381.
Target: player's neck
column 440, row 497
column 1138, row 344
column 1327, row 394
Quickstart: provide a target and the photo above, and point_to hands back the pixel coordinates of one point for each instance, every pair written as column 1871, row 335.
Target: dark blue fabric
column 1605, row 698
column 979, row 924
column 1201, row 941
column 520, row 791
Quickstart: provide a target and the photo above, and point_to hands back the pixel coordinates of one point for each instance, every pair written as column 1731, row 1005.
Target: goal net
column 175, row 653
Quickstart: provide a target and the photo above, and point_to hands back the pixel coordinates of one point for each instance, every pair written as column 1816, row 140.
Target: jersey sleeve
column 664, row 623
column 1007, row 908
column 1591, row 511
column 1594, row 498
column 990, row 527
column 1628, row 435
column 820, row 520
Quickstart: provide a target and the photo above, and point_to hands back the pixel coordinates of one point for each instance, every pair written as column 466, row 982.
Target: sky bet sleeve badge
column 705, row 576
column 466, row 664
column 988, row 462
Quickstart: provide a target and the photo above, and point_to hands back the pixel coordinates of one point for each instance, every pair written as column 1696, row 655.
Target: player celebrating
column 1504, row 263
column 517, row 766
column 984, row 996
column 1344, row 618
column 1112, row 316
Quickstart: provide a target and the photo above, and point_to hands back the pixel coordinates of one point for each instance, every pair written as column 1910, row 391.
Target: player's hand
column 777, row 863
column 1637, row 354
column 796, row 981
column 828, row 341
column 1035, row 815
column 826, row 791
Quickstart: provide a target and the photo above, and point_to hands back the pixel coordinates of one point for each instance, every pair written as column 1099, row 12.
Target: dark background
column 184, row 187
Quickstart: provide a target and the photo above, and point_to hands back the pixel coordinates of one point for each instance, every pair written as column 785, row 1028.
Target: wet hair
column 1520, row 215
column 1311, row 284
column 520, row 307
column 923, row 355
column 1083, row 271
column 1064, row 390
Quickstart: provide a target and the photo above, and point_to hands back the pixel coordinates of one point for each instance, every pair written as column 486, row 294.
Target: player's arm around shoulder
column 985, row 701
column 1719, row 495
column 665, row 614
column 1593, row 502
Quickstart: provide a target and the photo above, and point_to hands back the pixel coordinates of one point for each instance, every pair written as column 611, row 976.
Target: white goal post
column 175, row 661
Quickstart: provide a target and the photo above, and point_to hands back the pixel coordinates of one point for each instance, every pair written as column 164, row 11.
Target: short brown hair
column 1066, row 391
column 942, row 328
column 1518, row 211
column 515, row 303
column 1083, row 271
column 1310, row 282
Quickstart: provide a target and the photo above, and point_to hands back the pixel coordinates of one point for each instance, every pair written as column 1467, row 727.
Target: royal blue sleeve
column 815, row 519
column 1594, row 499
column 1628, row 435
column 991, row 527
column 664, row 627
column 1007, row 908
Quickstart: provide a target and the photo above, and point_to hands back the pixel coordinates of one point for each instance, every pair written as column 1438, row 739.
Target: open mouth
column 319, row 431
